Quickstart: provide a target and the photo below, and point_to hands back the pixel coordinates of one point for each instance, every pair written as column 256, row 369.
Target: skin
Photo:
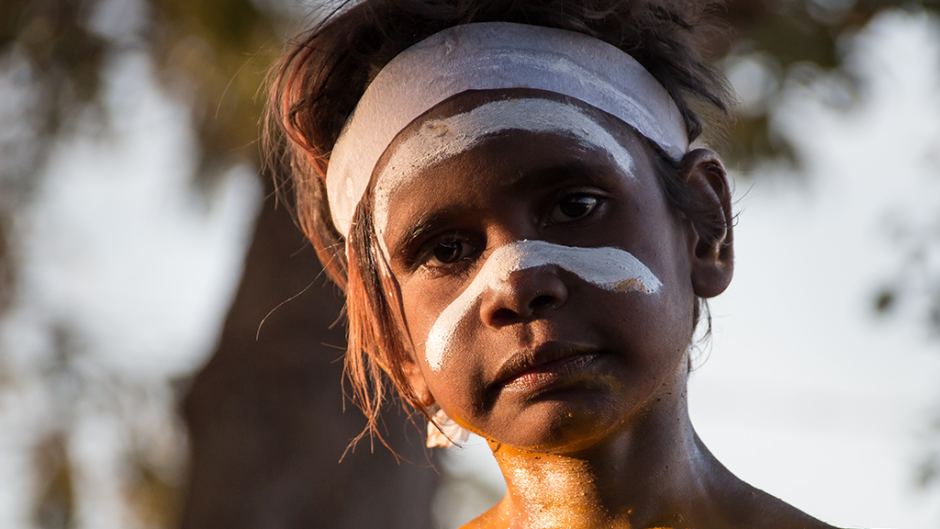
column 609, row 445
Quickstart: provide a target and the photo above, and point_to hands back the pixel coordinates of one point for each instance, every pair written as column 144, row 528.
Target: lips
column 544, row 365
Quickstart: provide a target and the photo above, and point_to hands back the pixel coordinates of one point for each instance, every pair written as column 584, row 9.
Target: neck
column 654, row 472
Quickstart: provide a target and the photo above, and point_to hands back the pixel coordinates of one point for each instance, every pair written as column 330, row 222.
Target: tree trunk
column 265, row 416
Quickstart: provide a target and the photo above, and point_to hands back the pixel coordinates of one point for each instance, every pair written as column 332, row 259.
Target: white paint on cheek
column 608, row 268
column 440, row 139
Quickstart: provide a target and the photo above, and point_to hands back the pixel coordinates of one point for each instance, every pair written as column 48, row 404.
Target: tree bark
column 265, row 416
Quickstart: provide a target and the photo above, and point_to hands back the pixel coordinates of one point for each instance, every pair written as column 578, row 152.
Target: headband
column 492, row 56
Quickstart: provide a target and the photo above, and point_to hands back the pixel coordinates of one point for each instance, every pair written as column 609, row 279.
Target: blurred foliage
column 54, row 506
column 48, row 50
column 789, row 35
column 212, row 55
column 154, row 499
column 6, row 268
column 921, row 278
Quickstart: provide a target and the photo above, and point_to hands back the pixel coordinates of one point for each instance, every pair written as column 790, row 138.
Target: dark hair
column 323, row 73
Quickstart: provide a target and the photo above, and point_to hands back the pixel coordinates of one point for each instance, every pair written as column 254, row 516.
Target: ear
column 417, row 383
column 710, row 236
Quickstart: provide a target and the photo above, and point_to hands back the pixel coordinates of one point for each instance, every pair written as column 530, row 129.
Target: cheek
column 673, row 259
column 660, row 327
column 452, row 382
column 662, row 244
column 656, row 331
column 422, row 308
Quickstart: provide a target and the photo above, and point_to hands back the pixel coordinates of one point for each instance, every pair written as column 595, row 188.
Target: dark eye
column 450, row 250
column 573, row 207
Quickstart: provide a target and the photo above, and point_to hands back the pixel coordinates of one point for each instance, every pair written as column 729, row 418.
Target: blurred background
column 167, row 350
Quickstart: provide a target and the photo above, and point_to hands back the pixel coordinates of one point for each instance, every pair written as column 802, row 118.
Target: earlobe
column 710, row 230
column 417, row 383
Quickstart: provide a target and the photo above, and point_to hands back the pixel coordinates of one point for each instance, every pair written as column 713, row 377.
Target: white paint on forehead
column 494, row 56
column 608, row 268
column 440, row 139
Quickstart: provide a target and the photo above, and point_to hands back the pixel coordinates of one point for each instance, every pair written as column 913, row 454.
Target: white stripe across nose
column 608, row 268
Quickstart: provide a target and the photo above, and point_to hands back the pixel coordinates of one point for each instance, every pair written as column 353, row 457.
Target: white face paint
column 440, row 139
column 608, row 268
column 494, row 56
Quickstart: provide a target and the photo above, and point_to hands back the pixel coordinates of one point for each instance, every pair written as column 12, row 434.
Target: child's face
column 545, row 255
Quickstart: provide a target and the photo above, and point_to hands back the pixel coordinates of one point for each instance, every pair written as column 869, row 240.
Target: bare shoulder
column 746, row 508
column 769, row 512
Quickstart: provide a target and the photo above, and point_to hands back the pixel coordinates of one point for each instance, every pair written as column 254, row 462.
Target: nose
column 524, row 296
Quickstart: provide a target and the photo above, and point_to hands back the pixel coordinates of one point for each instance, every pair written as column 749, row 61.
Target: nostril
column 536, row 306
column 503, row 317
column 543, row 302
column 523, row 296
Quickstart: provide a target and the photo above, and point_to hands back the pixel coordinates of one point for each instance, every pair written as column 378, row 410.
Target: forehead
column 460, row 123
column 481, row 139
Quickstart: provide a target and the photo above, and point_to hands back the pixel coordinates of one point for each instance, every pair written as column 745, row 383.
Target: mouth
column 544, row 366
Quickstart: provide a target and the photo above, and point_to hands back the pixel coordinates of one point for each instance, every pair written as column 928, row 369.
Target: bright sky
column 805, row 393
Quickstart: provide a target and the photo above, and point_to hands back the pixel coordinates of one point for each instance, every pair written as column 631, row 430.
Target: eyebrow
column 425, row 223
column 576, row 168
column 549, row 175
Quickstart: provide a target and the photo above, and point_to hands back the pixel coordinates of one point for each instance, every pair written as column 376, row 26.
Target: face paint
column 494, row 56
column 440, row 139
column 608, row 268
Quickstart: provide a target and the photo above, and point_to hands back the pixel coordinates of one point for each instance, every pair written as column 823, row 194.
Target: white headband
column 492, row 56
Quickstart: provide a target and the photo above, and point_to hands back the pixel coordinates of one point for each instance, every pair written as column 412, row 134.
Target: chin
column 561, row 421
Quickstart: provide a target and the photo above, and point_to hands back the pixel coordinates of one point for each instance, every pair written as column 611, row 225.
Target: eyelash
column 461, row 267
column 423, row 256
column 598, row 202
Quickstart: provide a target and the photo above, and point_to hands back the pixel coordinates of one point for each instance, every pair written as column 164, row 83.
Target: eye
column 573, row 207
column 448, row 250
